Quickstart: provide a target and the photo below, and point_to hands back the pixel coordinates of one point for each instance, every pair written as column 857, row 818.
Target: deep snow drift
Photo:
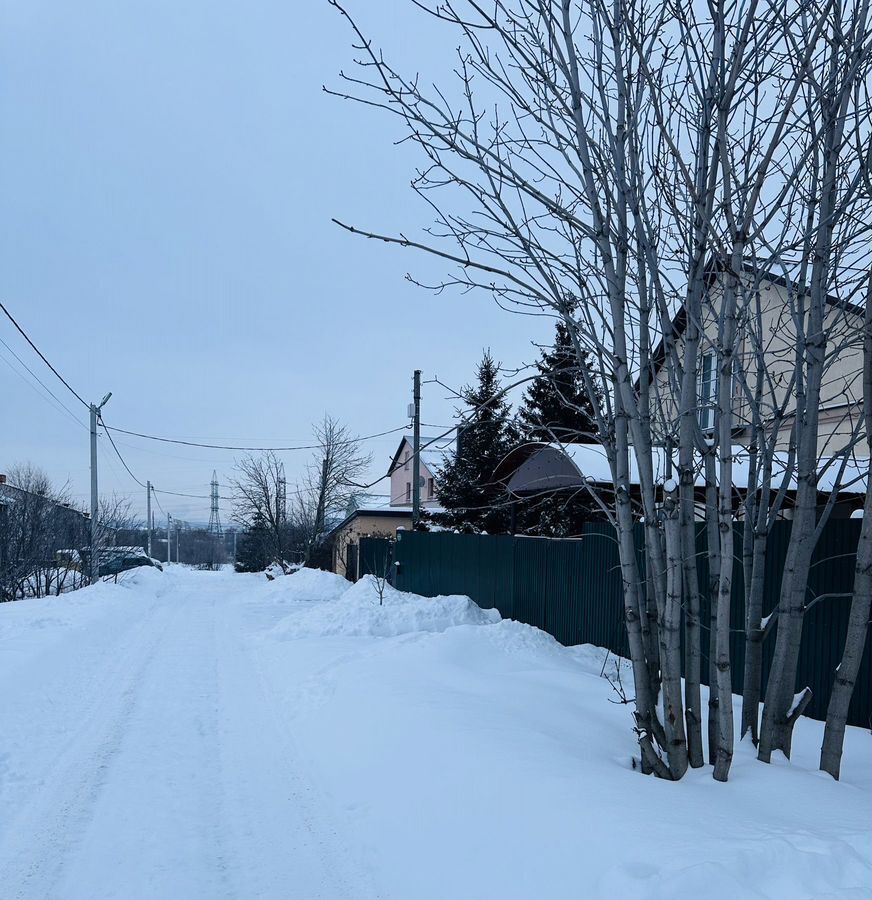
column 212, row 735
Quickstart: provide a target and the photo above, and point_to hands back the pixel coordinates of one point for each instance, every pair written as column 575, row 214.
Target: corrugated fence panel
column 602, row 614
column 572, row 589
column 375, row 557
column 530, row 576
column 826, row 622
column 565, row 601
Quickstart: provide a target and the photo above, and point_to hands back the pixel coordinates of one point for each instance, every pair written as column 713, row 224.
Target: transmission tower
column 215, row 516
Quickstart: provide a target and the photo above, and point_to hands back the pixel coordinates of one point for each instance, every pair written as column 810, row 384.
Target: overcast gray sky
column 168, row 171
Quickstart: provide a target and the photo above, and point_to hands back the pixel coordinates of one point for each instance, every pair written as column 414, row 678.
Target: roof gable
column 431, row 453
column 679, row 320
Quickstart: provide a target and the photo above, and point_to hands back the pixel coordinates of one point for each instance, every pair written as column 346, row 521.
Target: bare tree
column 258, row 492
column 330, row 482
column 635, row 168
column 40, row 538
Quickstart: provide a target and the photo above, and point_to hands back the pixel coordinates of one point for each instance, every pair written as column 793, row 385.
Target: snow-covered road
column 143, row 756
column 209, row 735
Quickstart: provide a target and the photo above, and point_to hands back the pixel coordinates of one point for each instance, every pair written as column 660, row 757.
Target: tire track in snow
column 37, row 843
column 319, row 864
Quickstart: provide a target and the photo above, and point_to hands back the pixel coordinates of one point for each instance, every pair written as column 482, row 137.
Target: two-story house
column 382, row 515
column 768, row 341
column 400, row 470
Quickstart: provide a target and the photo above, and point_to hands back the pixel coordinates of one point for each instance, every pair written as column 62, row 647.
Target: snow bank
column 139, row 578
column 364, row 610
column 315, row 584
column 300, row 585
column 500, row 750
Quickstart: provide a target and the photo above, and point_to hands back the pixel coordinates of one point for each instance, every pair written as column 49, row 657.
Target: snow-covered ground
column 210, row 735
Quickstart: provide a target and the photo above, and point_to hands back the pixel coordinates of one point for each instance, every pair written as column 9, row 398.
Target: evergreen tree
column 467, row 491
column 253, row 552
column 556, row 406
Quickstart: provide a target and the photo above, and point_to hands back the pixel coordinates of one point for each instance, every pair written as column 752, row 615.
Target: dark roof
column 8, row 493
column 515, row 458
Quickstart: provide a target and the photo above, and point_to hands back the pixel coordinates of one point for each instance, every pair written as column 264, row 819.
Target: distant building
column 381, row 515
column 433, row 454
column 368, row 515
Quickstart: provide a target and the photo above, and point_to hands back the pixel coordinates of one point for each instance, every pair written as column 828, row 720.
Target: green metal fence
column 572, row 590
column 375, row 557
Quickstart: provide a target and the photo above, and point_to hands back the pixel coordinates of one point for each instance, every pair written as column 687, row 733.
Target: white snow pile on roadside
column 307, row 585
column 363, row 610
column 527, row 755
column 141, row 576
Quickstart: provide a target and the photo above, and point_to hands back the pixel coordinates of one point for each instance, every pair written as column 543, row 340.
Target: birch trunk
column 727, row 342
column 752, row 682
column 647, row 723
column 670, row 640
column 858, row 623
column 686, row 511
column 713, row 543
column 830, row 112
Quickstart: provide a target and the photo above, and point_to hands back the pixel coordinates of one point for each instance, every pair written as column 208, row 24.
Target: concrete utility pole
column 95, row 537
column 148, row 513
column 169, row 538
column 177, row 540
column 416, row 447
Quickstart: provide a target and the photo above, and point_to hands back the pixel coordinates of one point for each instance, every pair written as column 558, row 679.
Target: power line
column 473, row 408
column 164, row 440
column 118, row 453
column 181, row 494
column 48, row 396
column 44, row 386
column 38, row 352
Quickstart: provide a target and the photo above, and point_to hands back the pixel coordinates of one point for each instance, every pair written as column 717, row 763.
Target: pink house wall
column 401, row 481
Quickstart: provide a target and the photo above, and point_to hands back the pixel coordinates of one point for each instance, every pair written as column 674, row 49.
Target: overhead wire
column 205, row 445
column 118, row 452
column 151, row 437
column 473, row 408
column 39, row 353
column 44, row 386
column 54, row 403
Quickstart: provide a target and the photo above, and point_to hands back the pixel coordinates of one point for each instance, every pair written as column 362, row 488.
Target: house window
column 431, row 488
column 408, row 491
column 708, row 381
column 406, row 463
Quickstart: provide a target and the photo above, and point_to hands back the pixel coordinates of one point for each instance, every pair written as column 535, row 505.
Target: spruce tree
column 252, row 554
column 471, row 500
column 556, row 406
